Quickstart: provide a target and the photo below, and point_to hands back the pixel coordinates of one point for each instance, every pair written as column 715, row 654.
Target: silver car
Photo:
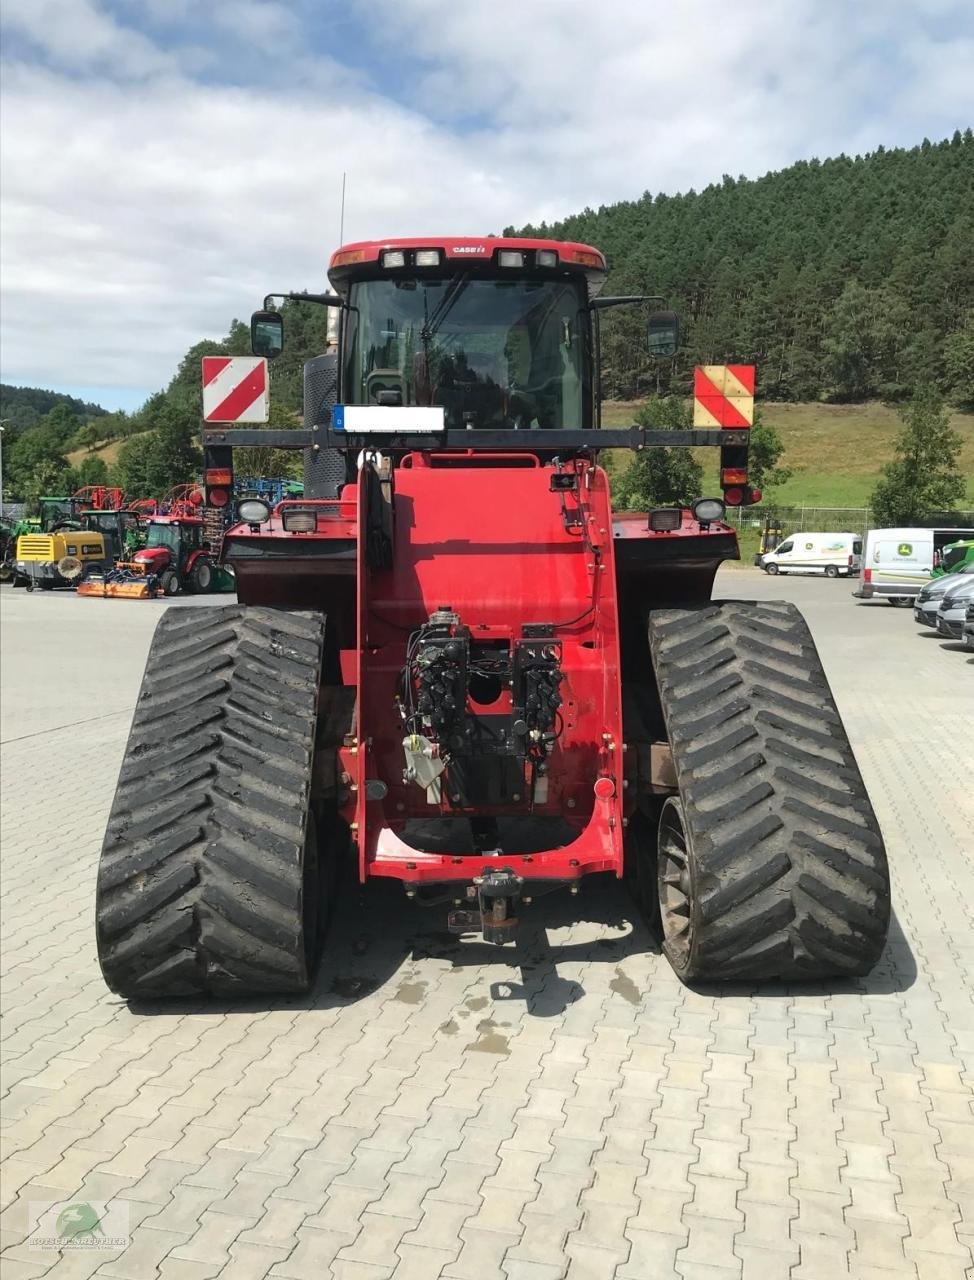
column 968, row 634
column 952, row 613
column 928, row 601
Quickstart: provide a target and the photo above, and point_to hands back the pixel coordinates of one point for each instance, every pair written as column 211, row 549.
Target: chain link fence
column 801, row 519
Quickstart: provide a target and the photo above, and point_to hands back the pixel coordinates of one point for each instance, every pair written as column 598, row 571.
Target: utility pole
column 3, row 423
column 341, row 222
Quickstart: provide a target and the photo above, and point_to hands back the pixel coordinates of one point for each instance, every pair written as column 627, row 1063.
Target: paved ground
column 440, row 1109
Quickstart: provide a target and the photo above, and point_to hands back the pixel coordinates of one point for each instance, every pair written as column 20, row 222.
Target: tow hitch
column 497, row 892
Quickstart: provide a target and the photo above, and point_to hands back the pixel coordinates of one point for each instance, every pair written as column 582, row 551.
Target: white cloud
column 143, row 208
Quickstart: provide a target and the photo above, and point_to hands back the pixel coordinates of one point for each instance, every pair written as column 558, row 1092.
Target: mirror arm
column 322, row 299
column 601, row 304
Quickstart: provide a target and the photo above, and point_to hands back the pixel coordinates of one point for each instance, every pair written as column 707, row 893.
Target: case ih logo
column 234, row 389
column 470, row 248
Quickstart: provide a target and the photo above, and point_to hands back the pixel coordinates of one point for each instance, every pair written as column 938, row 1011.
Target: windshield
column 163, row 535
column 493, row 353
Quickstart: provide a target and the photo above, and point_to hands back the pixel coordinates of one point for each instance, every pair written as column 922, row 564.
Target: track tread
column 200, row 878
column 790, row 868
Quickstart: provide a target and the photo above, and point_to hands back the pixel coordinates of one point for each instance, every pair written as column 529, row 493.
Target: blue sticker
column 338, row 418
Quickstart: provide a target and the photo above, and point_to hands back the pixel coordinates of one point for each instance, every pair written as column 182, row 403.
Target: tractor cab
column 177, row 553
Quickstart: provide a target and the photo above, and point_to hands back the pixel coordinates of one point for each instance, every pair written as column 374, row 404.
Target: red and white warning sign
column 723, row 395
column 235, row 389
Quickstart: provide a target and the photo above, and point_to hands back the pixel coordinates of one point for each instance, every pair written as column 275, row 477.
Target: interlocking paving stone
column 363, row 1132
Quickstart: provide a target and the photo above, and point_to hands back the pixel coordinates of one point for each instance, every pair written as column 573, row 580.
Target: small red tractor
column 451, row 665
column 176, row 555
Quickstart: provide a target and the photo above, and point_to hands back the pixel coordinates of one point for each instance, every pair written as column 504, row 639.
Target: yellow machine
column 59, row 559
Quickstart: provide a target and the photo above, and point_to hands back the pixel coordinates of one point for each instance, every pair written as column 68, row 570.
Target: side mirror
column 267, row 333
column 664, row 333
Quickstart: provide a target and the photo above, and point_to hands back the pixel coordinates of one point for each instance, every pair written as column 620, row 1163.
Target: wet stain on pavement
column 491, row 1040
column 477, row 1002
column 449, row 1028
column 411, row 992
column 624, row 986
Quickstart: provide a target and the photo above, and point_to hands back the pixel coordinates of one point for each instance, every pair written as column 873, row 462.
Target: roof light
column 665, row 519
column 546, row 258
column 428, row 257
column 510, row 258
column 588, row 258
column 393, row 258
column 297, row 520
column 347, row 256
column 707, row 509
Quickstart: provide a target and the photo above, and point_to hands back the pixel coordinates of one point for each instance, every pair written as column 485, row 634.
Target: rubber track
column 200, row 878
column 791, row 879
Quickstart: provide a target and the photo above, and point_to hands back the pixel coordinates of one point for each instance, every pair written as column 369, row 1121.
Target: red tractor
column 453, row 666
column 177, row 553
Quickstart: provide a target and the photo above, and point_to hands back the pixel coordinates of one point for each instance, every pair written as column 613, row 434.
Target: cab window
column 785, row 548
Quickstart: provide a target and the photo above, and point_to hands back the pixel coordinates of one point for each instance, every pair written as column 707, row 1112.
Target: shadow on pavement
column 375, row 932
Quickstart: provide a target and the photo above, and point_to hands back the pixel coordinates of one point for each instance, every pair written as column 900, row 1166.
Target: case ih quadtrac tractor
column 454, row 667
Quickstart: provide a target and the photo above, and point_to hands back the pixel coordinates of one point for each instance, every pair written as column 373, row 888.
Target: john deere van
column 833, row 555
column 897, row 562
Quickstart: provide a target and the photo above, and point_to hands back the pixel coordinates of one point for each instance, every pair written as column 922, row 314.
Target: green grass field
column 836, row 451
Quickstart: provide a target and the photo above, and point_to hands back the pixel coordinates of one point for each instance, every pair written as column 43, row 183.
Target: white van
column 897, row 562
column 832, row 554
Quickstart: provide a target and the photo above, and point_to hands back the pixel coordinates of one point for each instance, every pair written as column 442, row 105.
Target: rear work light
column 510, row 258
column 428, row 257
column 297, row 521
column 253, row 511
column 546, row 258
column 393, row 258
column 707, row 509
column 665, row 519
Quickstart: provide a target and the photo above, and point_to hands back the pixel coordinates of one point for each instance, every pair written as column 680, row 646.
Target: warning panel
column 235, row 389
column 723, row 395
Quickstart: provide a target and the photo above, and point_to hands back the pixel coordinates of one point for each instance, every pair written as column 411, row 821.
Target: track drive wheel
column 209, row 880
column 770, row 860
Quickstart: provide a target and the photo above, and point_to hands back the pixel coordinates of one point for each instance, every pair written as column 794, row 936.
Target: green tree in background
column 764, row 451
column 37, row 466
column 959, row 365
column 924, row 476
column 660, row 476
column 90, row 471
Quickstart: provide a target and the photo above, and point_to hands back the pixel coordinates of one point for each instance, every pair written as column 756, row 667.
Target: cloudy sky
column 167, row 162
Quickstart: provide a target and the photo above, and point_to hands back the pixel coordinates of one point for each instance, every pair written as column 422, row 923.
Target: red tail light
column 218, row 497
column 734, row 496
column 850, row 561
column 867, row 575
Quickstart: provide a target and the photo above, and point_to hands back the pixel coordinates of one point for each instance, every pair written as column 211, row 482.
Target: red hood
column 157, row 557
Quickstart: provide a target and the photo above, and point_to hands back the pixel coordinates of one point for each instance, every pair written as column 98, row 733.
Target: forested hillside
column 22, row 407
column 840, row 279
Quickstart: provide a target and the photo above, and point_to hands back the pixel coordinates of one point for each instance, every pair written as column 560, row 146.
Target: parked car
column 897, row 562
column 928, row 601
column 952, row 613
column 968, row 634
column 831, row 554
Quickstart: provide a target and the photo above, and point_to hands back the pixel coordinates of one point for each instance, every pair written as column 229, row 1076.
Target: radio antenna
column 341, row 224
